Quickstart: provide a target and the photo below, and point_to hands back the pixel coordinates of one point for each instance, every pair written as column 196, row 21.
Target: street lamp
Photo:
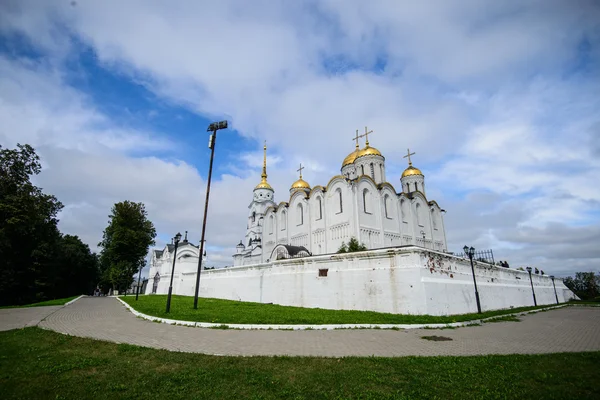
column 177, row 239
column 555, row 295
column 471, row 252
column 137, row 292
column 214, row 127
column 531, row 281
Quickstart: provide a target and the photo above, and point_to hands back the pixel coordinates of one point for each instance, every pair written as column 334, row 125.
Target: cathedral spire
column 264, row 171
column 263, row 181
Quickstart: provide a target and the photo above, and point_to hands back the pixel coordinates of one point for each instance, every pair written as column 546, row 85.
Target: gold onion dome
column 411, row 171
column 369, row 151
column 350, row 157
column 300, row 184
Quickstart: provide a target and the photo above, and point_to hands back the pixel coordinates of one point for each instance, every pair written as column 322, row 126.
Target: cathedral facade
column 358, row 203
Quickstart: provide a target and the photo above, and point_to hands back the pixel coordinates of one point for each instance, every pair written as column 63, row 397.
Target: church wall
column 317, row 223
column 402, row 280
column 339, row 227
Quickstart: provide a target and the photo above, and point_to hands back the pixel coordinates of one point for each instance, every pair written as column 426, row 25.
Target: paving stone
column 569, row 329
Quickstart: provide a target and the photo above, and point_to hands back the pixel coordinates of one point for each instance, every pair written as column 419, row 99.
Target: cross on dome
column 300, row 170
column 367, row 133
column 408, row 154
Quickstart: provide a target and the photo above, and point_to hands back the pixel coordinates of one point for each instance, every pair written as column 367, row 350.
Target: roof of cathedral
column 368, row 151
column 350, row 157
column 300, row 184
column 411, row 171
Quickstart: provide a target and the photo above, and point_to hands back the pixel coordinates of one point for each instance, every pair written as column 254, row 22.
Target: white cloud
column 495, row 97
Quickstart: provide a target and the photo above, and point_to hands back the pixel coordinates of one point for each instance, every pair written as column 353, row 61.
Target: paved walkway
column 569, row 329
column 14, row 318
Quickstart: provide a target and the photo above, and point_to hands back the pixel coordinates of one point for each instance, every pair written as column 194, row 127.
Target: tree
column 28, row 232
column 125, row 243
column 586, row 285
column 77, row 267
column 353, row 246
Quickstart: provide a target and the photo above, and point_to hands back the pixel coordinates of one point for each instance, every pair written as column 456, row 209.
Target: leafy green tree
column 76, row 269
column 353, row 246
column 586, row 285
column 28, row 229
column 125, row 243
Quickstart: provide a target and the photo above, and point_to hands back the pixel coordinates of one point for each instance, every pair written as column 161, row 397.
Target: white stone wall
column 407, row 280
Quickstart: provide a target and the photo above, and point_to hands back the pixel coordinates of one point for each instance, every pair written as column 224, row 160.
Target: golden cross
column 367, row 133
column 408, row 154
column 300, row 170
column 357, row 137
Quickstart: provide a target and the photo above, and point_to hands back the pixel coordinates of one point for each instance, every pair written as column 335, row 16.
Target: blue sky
column 498, row 99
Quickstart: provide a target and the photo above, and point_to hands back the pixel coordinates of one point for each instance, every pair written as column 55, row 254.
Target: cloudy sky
column 499, row 99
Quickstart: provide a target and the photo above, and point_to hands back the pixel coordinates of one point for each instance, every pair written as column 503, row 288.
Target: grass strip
column 55, row 302
column 240, row 312
column 40, row 364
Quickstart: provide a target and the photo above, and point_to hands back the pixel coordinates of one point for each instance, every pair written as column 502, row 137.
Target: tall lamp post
column 177, row 239
column 137, row 292
column 532, row 290
column 471, row 252
column 214, row 127
column 555, row 295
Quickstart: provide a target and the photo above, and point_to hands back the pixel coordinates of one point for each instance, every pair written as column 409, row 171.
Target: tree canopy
column 36, row 261
column 586, row 285
column 125, row 244
column 353, row 246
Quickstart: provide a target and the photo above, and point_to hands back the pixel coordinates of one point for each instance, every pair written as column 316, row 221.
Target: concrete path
column 15, row 318
column 569, row 329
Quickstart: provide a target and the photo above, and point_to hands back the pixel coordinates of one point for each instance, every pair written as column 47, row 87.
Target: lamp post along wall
column 553, row 285
column 177, row 239
column 471, row 252
column 214, row 127
column 532, row 289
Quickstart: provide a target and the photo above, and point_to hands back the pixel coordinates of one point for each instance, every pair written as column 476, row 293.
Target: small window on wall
column 300, row 217
column 283, row 221
column 386, row 200
column 372, row 171
column 323, row 272
column 365, row 201
column 340, row 199
column 320, row 205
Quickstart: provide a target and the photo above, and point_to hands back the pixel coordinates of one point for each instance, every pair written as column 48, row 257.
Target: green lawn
column 39, row 364
column 56, row 302
column 238, row 312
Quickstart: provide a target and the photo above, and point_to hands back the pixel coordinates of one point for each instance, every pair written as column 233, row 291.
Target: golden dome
column 369, row 151
column 300, row 184
column 263, row 185
column 411, row 171
column 350, row 158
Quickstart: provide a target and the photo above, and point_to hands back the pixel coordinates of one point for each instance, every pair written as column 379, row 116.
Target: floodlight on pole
column 214, row 127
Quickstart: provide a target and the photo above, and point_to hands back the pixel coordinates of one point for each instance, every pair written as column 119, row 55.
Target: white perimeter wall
column 407, row 280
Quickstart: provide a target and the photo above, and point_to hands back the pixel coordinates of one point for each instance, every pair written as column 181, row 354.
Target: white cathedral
column 358, row 203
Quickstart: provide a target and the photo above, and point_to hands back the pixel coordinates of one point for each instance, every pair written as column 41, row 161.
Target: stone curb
column 73, row 301
column 321, row 327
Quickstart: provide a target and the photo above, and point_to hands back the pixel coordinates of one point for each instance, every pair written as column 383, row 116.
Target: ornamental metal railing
column 486, row 256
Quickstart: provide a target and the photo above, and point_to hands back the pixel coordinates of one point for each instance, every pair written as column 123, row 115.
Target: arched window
column 381, row 172
column 403, row 210
column 362, row 168
column 253, row 216
column 419, row 217
column 372, row 171
column 365, row 201
column 340, row 200
column 300, row 215
column 283, row 221
column 320, row 205
column 386, row 200
column 271, row 224
column 434, row 218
